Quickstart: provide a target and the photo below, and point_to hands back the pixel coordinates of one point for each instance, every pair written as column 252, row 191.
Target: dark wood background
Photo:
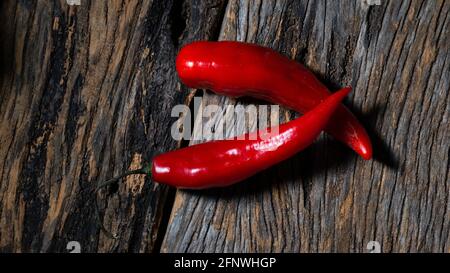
column 86, row 93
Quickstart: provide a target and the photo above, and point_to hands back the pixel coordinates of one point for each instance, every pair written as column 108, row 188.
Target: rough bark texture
column 86, row 93
column 396, row 57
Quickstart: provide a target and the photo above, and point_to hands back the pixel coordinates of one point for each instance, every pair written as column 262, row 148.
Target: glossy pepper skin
column 224, row 162
column 241, row 69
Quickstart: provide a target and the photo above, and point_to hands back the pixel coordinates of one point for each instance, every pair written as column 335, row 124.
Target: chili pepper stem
column 101, row 185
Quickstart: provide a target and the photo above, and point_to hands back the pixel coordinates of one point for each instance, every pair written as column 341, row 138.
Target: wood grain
column 326, row 199
column 86, row 93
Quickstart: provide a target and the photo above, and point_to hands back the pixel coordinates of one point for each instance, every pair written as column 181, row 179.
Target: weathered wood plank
column 85, row 93
column 396, row 56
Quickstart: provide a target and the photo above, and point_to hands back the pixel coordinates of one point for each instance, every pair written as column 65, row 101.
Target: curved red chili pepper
column 224, row 162
column 241, row 69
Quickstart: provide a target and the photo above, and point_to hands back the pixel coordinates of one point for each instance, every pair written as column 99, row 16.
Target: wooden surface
column 86, row 93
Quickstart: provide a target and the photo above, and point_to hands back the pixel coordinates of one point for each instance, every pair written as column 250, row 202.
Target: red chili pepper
column 240, row 69
column 224, row 162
